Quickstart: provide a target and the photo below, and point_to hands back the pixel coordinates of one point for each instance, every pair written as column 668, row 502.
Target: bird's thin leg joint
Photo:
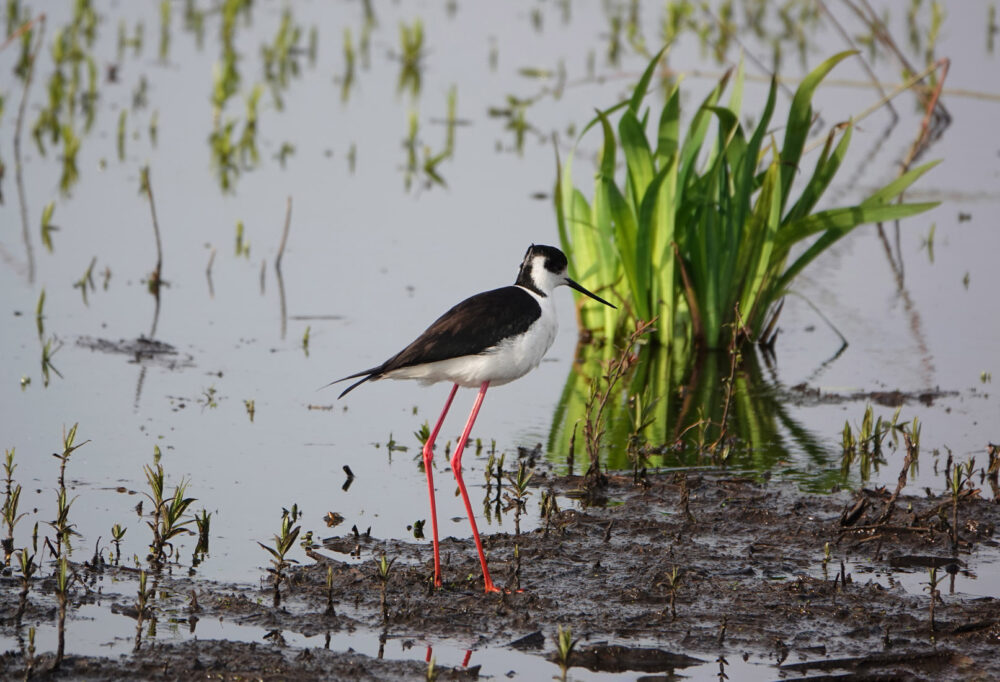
column 428, row 461
column 456, row 467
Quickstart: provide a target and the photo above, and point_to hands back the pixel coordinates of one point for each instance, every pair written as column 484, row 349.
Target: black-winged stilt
column 487, row 340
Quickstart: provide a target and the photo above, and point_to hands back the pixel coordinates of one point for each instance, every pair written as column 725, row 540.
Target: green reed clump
column 702, row 226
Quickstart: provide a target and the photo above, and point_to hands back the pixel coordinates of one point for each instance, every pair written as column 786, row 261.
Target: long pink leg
column 428, row 459
column 456, row 467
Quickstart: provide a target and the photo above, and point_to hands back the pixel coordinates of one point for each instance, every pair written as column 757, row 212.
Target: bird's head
column 544, row 268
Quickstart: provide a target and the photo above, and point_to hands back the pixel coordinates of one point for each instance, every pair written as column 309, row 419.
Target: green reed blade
column 638, row 156
column 766, row 218
column 898, row 186
column 840, row 221
column 641, row 88
column 697, row 131
column 800, row 119
column 826, row 168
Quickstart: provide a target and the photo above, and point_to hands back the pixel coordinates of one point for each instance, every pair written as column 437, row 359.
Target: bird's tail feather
column 372, row 373
column 355, row 384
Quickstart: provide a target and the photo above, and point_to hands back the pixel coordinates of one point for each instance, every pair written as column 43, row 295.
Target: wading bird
column 487, row 340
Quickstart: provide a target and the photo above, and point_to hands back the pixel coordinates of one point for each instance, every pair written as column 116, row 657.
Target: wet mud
column 667, row 574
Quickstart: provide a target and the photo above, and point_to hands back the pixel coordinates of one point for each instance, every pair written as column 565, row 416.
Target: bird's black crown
column 555, row 260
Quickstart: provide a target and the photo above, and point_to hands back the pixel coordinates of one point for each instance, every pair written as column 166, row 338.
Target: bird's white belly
column 511, row 359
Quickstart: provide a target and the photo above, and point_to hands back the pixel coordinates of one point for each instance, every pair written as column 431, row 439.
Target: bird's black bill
column 573, row 285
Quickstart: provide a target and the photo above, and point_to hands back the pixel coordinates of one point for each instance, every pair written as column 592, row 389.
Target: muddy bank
column 751, row 583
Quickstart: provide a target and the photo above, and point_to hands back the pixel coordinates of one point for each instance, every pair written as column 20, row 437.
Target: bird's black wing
column 473, row 326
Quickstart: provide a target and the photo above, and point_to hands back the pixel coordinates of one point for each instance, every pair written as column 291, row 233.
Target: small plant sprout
column 305, row 340
column 410, row 145
column 68, row 449
column 27, row 567
column 48, row 228
column 673, row 583
column 383, row 570
column 62, row 594
column 242, row 244
column 209, row 398
column 87, row 280
column 122, row 125
column 167, row 521
column 392, row 446
column 847, row 442
column 12, row 498
column 204, row 522
column 422, row 434
column 144, row 596
column 40, row 313
column 517, row 498
column 286, row 150
column 251, row 408
column 641, row 413
column 452, row 120
column 48, row 351
column 932, row 589
column 117, row 534
column 61, row 525
column 411, row 42
column 283, row 543
column 164, row 30
column 347, row 77
column 928, row 243
column 600, row 394
column 431, row 672
column 29, row 662
column 549, row 508
column 564, row 648
column 329, row 592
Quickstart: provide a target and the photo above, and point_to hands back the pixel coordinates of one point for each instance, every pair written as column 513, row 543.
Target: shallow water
column 368, row 264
